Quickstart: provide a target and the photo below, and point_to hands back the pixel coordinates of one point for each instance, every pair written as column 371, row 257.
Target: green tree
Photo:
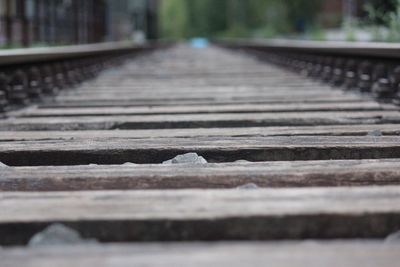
column 235, row 18
column 174, row 18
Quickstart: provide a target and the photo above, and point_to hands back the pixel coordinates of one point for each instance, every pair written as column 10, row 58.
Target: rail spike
column 49, row 87
column 4, row 91
column 365, row 76
column 327, row 69
column 395, row 83
column 338, row 75
column 35, row 82
column 317, row 67
column 381, row 87
column 69, row 74
column 19, row 87
column 350, row 76
column 59, row 78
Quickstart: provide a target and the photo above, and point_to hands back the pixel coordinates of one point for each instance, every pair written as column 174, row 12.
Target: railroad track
column 34, row 74
column 298, row 173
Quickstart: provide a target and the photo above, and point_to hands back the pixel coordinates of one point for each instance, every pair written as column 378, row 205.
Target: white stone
column 2, row 165
column 57, row 234
column 189, row 158
column 393, row 238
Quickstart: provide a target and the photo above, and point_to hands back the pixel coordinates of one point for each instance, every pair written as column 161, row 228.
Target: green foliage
column 349, row 27
column 375, row 17
column 174, row 16
column 394, row 24
column 383, row 24
column 316, row 33
column 11, row 46
column 235, row 18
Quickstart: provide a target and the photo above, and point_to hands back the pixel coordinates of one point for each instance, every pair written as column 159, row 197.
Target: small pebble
column 248, row 186
column 189, row 158
column 393, row 238
column 57, row 234
column 376, row 133
column 2, row 165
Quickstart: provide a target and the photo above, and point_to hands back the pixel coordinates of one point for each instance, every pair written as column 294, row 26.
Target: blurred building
column 334, row 11
column 54, row 22
column 132, row 18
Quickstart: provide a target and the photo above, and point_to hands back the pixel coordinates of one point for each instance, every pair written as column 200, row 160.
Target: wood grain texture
column 200, row 120
column 203, row 102
column 139, row 177
column 285, row 254
column 334, row 130
column 320, row 174
column 205, row 214
column 249, row 108
column 214, row 149
column 171, row 96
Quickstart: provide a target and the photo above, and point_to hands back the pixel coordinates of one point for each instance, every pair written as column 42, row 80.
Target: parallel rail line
column 367, row 67
column 30, row 74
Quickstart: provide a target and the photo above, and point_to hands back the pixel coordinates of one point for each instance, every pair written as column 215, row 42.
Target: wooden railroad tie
column 194, row 157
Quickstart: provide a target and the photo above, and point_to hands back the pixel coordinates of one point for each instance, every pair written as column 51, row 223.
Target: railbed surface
column 298, row 173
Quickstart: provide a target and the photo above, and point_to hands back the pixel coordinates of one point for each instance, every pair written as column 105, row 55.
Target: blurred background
column 351, row 20
column 32, row 23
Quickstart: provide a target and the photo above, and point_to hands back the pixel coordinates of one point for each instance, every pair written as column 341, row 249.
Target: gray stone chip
column 189, row 158
column 393, row 238
column 57, row 234
column 376, row 133
column 2, row 165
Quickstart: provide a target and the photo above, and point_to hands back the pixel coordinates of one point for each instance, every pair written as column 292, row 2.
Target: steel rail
column 368, row 67
column 362, row 49
column 29, row 55
column 29, row 74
